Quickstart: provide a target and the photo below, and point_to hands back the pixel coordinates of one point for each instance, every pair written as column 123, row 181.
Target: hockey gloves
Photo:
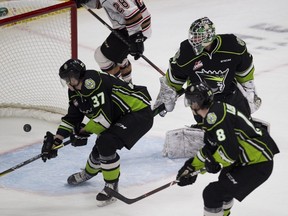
column 136, row 48
column 184, row 176
column 49, row 148
column 211, row 165
column 80, row 137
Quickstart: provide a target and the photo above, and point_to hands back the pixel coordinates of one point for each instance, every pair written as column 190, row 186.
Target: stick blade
column 119, row 196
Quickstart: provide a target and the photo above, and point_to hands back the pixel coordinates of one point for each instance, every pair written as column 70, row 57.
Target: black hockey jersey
column 227, row 62
column 233, row 139
column 103, row 99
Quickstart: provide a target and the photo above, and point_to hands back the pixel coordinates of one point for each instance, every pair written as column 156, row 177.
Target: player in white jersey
column 132, row 21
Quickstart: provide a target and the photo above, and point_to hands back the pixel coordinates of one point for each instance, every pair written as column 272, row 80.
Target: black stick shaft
column 29, row 160
column 126, row 200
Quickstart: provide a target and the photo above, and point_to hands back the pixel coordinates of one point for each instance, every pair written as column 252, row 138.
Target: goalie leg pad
column 183, row 142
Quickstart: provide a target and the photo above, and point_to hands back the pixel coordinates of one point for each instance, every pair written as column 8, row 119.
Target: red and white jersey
column 130, row 14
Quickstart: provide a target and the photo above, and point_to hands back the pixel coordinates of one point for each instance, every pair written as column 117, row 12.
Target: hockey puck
column 27, row 127
column 3, row 11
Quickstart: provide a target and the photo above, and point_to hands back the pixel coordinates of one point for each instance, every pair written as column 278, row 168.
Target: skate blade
column 107, row 202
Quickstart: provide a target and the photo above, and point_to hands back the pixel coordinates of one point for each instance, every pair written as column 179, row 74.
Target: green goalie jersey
column 103, row 99
column 233, row 139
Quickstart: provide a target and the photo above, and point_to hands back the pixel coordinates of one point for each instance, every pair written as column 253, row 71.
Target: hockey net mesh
column 33, row 47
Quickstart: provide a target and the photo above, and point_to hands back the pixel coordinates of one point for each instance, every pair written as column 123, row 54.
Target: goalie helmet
column 72, row 68
column 198, row 96
column 201, row 34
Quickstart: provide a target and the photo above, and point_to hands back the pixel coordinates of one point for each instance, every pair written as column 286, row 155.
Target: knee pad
column 107, row 144
column 213, row 196
column 104, row 63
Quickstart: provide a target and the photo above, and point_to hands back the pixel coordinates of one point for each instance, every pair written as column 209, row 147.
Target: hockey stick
column 31, row 159
column 129, row 201
column 121, row 38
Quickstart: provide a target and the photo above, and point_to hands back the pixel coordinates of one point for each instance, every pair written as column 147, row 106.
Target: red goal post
column 37, row 37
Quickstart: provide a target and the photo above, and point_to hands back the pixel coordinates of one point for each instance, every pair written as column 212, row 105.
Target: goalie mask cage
column 37, row 37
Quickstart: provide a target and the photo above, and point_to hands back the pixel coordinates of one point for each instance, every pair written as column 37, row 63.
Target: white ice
column 40, row 188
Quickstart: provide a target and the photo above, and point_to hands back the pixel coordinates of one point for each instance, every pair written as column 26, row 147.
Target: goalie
column 222, row 61
column 241, row 152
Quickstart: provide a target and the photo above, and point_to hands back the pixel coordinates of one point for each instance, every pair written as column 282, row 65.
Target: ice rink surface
column 40, row 188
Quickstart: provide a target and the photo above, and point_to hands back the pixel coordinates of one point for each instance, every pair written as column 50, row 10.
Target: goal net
column 37, row 37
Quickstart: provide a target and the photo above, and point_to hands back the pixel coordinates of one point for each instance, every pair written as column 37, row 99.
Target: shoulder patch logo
column 211, row 118
column 89, row 84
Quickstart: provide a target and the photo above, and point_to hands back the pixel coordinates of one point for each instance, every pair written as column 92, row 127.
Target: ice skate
column 103, row 198
column 78, row 178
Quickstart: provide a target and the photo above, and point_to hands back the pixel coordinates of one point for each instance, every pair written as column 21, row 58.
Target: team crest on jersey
column 89, row 84
column 197, row 65
column 211, row 118
column 215, row 79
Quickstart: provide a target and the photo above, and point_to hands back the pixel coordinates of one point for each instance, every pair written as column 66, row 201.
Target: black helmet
column 72, row 68
column 199, row 93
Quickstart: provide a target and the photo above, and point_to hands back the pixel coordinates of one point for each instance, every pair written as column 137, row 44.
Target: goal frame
column 39, row 112
column 69, row 4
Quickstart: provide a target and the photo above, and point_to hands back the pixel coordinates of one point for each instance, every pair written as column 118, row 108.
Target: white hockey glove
column 251, row 95
column 166, row 95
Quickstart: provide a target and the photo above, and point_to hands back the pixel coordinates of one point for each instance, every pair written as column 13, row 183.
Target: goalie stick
column 31, row 160
column 129, row 201
column 121, row 38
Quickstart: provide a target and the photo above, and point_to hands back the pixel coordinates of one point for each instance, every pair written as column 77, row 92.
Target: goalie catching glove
column 184, row 174
column 49, row 148
column 167, row 96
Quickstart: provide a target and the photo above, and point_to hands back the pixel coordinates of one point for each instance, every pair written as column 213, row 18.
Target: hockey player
column 233, row 145
column 132, row 21
column 222, row 61
column 118, row 112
